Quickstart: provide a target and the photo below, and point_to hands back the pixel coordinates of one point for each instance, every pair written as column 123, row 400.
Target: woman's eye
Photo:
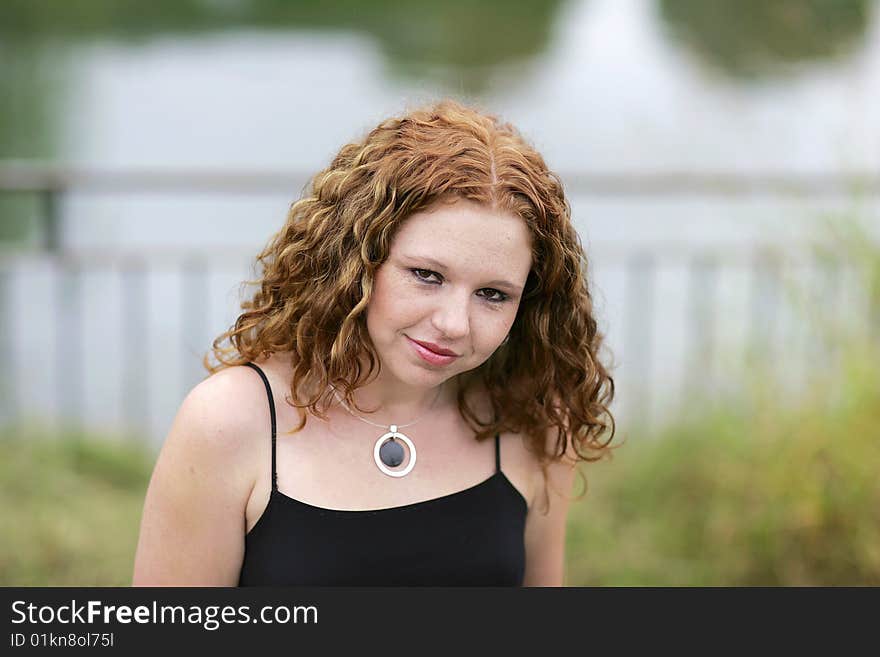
column 418, row 274
column 495, row 296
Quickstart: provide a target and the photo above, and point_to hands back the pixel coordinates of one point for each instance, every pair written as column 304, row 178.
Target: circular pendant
column 388, row 452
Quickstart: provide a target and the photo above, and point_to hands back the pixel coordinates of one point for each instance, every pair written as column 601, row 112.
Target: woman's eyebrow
column 440, row 265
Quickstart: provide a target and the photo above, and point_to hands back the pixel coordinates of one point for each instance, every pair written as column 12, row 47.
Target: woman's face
column 454, row 277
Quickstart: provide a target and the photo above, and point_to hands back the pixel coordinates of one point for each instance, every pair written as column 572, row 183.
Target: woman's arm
column 545, row 534
column 193, row 524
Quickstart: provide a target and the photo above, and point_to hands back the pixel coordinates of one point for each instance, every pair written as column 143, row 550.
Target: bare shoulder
column 228, row 407
column 518, row 463
column 558, row 477
column 546, row 527
column 194, row 509
column 216, row 429
column 217, row 425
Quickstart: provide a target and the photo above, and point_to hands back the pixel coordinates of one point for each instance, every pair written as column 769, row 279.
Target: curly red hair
column 318, row 272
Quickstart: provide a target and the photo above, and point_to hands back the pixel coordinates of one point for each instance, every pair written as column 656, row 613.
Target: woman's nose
column 452, row 316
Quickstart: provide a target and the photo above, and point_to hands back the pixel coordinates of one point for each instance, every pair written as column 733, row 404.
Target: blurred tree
column 31, row 82
column 753, row 38
column 457, row 40
column 458, row 43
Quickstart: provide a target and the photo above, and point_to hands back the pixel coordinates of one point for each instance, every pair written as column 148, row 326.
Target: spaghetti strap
column 294, row 543
column 272, row 417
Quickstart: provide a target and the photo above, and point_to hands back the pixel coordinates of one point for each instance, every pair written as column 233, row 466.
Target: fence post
column 135, row 343
column 764, row 306
column 639, row 320
column 68, row 344
column 699, row 373
column 194, row 313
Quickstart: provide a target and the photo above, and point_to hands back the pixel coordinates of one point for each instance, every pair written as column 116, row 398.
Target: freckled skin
column 452, row 307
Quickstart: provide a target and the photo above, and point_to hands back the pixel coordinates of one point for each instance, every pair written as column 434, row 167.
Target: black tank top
column 474, row 537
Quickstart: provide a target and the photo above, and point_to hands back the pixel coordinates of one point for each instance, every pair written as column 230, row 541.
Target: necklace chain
column 383, row 426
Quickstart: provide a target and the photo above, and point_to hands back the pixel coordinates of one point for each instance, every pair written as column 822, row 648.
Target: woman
column 406, row 397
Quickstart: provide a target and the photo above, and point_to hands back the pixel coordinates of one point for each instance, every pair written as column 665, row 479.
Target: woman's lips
column 429, row 356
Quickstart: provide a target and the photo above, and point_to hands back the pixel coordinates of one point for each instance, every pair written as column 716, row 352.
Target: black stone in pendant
column 391, row 453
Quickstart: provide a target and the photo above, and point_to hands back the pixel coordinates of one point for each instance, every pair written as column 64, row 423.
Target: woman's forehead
column 463, row 241
column 464, row 218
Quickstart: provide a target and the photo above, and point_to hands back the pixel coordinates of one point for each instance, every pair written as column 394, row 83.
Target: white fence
column 111, row 339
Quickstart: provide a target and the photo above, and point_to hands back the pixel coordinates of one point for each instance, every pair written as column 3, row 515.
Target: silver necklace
column 387, row 452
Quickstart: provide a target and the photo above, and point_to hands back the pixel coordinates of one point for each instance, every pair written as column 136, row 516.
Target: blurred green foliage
column 753, row 38
column 743, row 494
column 744, row 489
column 754, row 487
column 71, row 509
column 458, row 43
column 19, row 220
column 457, row 37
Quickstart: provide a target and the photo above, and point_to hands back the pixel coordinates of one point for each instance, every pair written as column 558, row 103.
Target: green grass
column 71, row 510
column 748, row 492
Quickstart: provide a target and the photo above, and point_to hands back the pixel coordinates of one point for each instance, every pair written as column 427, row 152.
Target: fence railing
column 49, row 182
column 640, row 307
